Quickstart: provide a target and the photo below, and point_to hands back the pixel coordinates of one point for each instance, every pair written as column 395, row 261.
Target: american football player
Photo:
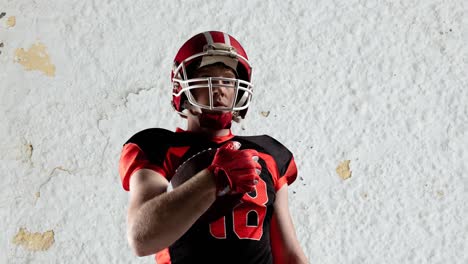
column 204, row 195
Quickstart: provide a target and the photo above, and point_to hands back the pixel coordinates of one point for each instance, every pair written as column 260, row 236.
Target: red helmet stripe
column 218, row 37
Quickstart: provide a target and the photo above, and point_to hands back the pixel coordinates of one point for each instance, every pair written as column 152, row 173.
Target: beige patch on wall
column 34, row 241
column 343, row 170
column 36, row 58
column 11, row 21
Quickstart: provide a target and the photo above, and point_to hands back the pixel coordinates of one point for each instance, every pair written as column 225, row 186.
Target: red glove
column 235, row 170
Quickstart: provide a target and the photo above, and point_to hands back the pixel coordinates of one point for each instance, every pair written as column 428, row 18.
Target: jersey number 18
column 249, row 205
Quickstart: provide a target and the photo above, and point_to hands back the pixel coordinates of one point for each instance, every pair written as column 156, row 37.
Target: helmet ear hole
column 183, row 99
column 239, row 96
column 242, row 73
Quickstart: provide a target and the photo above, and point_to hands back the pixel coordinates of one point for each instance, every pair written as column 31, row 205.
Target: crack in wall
column 137, row 93
column 104, row 152
column 51, row 175
column 106, row 137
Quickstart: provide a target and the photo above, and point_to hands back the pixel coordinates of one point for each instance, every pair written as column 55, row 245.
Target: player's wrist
column 210, row 182
column 222, row 181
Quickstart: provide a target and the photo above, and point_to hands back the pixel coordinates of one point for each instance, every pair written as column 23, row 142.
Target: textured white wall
column 381, row 84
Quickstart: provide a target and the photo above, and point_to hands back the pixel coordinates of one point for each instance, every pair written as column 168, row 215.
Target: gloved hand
column 235, row 171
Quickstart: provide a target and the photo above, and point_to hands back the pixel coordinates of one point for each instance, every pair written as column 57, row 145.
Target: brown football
column 223, row 205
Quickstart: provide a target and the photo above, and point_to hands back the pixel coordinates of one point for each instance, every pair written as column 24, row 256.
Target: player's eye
column 227, row 82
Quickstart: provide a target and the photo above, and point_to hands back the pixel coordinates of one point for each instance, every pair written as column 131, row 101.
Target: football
column 223, row 204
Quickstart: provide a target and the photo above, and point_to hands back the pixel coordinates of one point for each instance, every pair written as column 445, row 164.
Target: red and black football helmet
column 204, row 49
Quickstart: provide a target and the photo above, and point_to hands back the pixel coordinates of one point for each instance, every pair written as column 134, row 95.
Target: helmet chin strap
column 215, row 121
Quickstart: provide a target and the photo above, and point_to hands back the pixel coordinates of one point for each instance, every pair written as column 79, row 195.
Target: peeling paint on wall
column 11, row 21
column 36, row 58
column 25, row 153
column 440, row 193
column 343, row 170
column 34, row 241
column 29, row 150
column 2, row 14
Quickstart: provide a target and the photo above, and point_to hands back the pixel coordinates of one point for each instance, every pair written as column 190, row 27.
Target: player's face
column 223, row 91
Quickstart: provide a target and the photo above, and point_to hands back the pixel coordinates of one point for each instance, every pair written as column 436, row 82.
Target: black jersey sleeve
column 279, row 160
column 287, row 170
column 144, row 150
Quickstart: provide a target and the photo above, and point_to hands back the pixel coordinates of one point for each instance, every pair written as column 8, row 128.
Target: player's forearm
column 165, row 218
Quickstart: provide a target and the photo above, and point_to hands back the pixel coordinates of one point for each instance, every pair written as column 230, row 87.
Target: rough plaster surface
column 379, row 85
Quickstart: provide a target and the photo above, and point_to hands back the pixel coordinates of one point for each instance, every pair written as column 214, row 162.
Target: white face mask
column 243, row 89
column 242, row 93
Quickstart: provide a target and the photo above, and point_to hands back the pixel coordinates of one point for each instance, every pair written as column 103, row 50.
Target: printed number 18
column 249, row 205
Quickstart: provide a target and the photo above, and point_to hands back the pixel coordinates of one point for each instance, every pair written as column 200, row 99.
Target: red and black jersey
column 240, row 236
